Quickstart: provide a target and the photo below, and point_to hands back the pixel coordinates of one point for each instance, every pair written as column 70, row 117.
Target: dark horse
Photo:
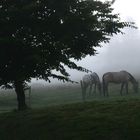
column 122, row 77
column 88, row 81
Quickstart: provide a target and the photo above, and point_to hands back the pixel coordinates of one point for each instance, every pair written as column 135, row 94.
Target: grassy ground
column 58, row 113
column 56, row 95
column 42, row 97
column 107, row 120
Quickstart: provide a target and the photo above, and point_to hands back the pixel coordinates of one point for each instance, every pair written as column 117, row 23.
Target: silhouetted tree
column 39, row 36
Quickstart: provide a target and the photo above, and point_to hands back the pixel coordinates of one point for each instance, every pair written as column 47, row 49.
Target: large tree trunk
column 19, row 89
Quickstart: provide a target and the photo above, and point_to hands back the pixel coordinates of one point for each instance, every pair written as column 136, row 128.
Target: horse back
column 116, row 77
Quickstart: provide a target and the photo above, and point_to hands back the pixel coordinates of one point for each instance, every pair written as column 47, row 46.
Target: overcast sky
column 128, row 9
column 123, row 51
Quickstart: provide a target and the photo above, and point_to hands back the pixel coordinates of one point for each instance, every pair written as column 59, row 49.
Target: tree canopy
column 39, row 36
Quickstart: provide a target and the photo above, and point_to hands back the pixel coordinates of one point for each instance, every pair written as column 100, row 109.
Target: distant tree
column 39, row 36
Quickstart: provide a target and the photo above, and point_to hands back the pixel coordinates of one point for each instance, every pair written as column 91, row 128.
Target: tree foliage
column 39, row 36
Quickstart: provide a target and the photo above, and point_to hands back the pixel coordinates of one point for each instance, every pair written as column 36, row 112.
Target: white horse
column 88, row 81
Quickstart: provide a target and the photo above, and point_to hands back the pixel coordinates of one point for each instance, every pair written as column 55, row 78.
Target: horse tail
column 83, row 90
column 98, row 82
column 97, row 76
column 103, row 82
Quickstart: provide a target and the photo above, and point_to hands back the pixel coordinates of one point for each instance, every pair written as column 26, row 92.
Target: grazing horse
column 122, row 77
column 88, row 81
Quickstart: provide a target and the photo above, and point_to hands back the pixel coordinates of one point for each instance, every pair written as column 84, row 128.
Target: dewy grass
column 96, row 120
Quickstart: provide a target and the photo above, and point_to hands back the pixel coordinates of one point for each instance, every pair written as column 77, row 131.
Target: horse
column 88, row 81
column 122, row 77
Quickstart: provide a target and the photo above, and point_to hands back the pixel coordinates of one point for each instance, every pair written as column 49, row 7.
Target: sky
column 128, row 9
column 122, row 52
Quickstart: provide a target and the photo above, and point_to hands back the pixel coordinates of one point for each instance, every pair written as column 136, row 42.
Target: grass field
column 43, row 96
column 58, row 113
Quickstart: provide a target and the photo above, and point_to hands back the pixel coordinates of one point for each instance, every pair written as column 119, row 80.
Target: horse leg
column 90, row 89
column 107, row 90
column 99, row 88
column 126, row 86
column 95, row 87
column 122, row 85
column 84, row 93
column 83, row 87
column 104, row 88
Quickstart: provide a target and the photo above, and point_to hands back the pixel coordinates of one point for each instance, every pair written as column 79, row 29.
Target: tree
column 39, row 36
column 113, row 1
